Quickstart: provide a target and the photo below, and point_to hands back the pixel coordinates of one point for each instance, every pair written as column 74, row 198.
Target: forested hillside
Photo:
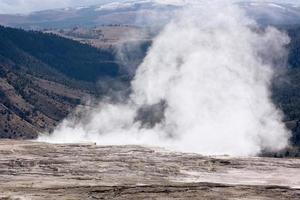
column 43, row 77
column 294, row 56
column 72, row 59
column 286, row 91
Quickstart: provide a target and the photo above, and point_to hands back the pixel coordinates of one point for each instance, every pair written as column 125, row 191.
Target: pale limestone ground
column 30, row 170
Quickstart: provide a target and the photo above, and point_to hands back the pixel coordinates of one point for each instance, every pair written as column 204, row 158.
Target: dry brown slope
column 29, row 105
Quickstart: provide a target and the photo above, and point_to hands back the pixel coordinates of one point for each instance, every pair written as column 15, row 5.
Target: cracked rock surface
column 30, row 170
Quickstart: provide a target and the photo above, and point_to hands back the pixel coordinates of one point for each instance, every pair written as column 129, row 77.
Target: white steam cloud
column 203, row 87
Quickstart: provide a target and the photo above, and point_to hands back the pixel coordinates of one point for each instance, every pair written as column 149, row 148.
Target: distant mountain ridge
column 125, row 13
column 268, row 13
column 139, row 13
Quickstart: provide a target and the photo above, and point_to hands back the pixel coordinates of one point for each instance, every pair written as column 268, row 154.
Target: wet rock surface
column 30, row 170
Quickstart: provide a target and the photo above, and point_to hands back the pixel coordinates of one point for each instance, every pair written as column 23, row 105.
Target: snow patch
column 81, row 7
column 276, row 6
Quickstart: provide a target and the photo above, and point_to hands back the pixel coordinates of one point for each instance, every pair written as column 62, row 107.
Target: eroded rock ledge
column 30, row 170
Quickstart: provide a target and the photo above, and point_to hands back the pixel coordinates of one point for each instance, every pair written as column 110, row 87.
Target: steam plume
column 203, row 87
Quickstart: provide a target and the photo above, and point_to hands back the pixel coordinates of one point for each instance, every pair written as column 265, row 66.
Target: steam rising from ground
column 203, row 87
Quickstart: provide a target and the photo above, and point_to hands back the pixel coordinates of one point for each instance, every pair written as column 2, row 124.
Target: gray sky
column 26, row 6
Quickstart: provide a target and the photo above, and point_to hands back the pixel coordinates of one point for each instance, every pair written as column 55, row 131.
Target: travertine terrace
column 30, row 170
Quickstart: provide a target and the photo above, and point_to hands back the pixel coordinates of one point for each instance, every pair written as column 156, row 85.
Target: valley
column 149, row 99
column 106, row 37
column 37, row 95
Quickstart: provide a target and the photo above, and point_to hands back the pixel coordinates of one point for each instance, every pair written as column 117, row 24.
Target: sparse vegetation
column 44, row 76
column 72, row 59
